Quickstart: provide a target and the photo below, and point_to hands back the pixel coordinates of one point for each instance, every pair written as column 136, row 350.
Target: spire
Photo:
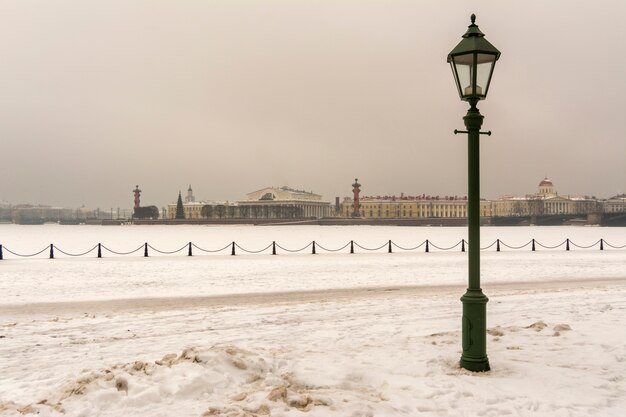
column 189, row 198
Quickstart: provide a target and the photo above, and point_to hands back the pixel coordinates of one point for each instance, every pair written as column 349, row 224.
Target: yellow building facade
column 407, row 207
column 193, row 208
column 545, row 202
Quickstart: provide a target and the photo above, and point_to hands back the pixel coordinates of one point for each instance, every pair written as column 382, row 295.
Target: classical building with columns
column 283, row 202
column 266, row 203
column 545, row 202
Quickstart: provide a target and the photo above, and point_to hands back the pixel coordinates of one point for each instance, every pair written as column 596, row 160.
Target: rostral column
column 137, row 191
column 356, row 189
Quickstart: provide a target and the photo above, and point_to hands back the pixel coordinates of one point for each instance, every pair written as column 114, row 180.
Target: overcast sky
column 233, row 96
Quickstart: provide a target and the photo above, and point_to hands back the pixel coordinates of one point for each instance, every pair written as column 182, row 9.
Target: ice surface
column 39, row 279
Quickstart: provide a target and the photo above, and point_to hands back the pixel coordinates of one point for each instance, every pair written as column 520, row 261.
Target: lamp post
column 472, row 62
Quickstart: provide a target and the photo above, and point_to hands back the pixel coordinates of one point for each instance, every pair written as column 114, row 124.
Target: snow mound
column 222, row 381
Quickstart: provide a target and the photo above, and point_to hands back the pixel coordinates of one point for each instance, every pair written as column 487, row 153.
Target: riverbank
column 613, row 219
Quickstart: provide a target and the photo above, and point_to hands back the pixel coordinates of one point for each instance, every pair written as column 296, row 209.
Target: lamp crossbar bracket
column 488, row 133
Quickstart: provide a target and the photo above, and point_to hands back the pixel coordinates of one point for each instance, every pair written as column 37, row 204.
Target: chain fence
column 275, row 247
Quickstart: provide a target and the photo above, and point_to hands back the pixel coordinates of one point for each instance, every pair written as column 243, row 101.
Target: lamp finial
column 473, row 19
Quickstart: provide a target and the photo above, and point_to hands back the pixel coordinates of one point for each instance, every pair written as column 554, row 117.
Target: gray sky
column 232, row 96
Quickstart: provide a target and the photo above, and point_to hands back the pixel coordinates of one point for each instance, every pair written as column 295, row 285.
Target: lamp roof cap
column 474, row 41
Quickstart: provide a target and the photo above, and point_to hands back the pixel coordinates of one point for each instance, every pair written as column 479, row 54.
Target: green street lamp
column 472, row 62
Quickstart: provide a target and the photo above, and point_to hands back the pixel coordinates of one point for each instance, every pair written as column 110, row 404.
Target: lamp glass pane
column 456, row 79
column 463, row 65
column 484, row 67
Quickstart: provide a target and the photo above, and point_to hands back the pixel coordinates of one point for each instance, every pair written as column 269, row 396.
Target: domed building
column 546, row 188
column 545, row 202
column 554, row 203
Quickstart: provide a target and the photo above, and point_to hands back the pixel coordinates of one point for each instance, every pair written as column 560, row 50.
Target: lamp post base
column 480, row 365
column 474, row 331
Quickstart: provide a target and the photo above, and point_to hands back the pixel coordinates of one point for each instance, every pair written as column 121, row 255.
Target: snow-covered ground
column 333, row 334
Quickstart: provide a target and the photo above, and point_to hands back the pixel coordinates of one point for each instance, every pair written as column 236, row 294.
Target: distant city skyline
column 233, row 96
column 331, row 199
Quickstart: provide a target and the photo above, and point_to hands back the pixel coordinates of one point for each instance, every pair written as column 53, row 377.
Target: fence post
column 427, row 248
column 389, row 246
column 1, row 253
column 313, row 248
column 99, row 250
column 462, row 245
column 533, row 247
column 232, row 251
column 567, row 244
column 145, row 250
column 601, row 247
column 497, row 245
column 274, row 248
column 189, row 253
column 51, row 251
column 352, row 246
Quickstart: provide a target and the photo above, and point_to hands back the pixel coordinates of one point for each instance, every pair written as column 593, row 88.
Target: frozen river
column 66, row 278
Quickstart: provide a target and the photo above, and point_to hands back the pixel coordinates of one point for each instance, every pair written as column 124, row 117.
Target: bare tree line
column 252, row 211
